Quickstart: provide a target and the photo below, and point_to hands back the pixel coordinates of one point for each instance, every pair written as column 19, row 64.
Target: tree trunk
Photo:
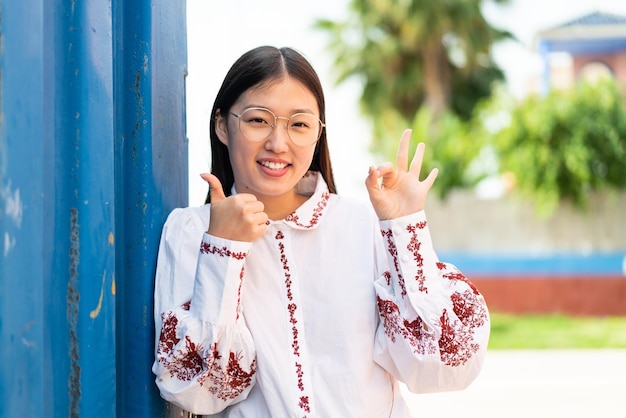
column 436, row 77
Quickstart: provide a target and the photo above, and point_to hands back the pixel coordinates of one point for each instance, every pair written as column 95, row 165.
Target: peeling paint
column 25, row 342
column 13, row 206
column 113, row 285
column 72, row 300
column 28, row 344
column 9, row 243
column 111, row 238
column 94, row 314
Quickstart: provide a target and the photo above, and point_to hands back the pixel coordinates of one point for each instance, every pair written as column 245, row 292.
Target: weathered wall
column 464, row 223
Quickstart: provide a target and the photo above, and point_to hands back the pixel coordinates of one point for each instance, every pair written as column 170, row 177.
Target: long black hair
column 257, row 66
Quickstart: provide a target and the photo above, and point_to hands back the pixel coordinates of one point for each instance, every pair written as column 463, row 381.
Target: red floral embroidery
column 206, row 248
column 393, row 251
column 239, row 292
column 292, row 308
column 469, row 308
column 414, row 332
column 390, row 315
column 188, row 364
column 456, row 343
column 227, row 383
column 456, row 275
column 294, row 329
column 168, row 338
column 419, row 225
column 414, row 247
column 422, row 341
column 304, row 403
column 300, row 373
column 191, row 362
column 317, row 213
column 387, row 277
column 183, row 364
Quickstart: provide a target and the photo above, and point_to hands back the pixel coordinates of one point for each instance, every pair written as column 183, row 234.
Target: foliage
column 564, row 145
column 452, row 145
column 556, row 332
column 555, row 148
column 427, row 64
column 411, row 53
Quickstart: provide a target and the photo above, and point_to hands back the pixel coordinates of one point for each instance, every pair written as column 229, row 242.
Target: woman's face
column 271, row 167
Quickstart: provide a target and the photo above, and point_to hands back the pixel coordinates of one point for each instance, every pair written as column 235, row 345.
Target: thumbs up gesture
column 238, row 218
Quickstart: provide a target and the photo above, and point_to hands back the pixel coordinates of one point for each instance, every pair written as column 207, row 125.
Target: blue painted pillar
column 93, row 156
column 544, row 52
column 151, row 146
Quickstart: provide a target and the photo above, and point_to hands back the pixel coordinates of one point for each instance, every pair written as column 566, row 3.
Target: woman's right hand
column 238, row 218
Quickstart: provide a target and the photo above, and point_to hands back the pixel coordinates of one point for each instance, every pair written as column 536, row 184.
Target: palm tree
column 413, row 53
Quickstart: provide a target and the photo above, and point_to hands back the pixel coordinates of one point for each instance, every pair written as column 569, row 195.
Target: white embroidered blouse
column 320, row 317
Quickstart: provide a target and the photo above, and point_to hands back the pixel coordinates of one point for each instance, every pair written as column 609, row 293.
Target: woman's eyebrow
column 294, row 111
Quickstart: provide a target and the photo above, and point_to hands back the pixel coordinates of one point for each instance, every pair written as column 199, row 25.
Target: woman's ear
column 221, row 127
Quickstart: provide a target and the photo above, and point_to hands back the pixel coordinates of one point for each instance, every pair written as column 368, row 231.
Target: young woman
column 281, row 299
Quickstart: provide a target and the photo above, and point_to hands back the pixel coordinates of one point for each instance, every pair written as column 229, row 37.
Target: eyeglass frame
column 319, row 135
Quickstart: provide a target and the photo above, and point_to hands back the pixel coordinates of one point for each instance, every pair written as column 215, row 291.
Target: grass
column 556, row 332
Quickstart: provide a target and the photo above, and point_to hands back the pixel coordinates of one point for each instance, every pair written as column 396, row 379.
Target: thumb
column 215, row 187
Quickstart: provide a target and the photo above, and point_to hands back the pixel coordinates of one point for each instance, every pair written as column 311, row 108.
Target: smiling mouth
column 273, row 165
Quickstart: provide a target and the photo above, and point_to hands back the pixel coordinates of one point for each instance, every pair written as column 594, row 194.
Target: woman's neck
column 278, row 208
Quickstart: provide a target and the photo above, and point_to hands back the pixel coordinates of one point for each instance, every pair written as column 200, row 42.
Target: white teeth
column 272, row 165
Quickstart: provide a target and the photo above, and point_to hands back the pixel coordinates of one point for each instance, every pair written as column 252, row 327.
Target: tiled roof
column 593, row 33
column 596, row 19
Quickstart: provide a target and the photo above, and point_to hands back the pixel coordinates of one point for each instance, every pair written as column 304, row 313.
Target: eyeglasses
column 257, row 123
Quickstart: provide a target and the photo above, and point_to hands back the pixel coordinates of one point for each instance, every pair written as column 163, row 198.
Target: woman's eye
column 303, row 122
column 257, row 120
column 258, row 117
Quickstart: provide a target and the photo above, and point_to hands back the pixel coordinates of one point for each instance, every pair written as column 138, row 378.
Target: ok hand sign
column 400, row 191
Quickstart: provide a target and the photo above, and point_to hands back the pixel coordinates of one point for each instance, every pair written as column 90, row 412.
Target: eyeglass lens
column 256, row 124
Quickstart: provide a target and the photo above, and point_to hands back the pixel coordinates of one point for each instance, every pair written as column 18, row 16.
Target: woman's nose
column 278, row 141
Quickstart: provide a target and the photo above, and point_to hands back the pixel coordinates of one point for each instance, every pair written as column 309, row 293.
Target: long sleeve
column 434, row 326
column 204, row 354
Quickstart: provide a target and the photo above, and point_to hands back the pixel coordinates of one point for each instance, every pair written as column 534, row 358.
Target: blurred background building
column 589, row 47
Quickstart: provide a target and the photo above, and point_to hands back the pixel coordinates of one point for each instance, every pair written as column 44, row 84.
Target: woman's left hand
column 399, row 191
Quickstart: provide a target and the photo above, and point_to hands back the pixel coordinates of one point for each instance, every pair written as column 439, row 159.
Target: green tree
column 566, row 144
column 414, row 53
column 455, row 144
